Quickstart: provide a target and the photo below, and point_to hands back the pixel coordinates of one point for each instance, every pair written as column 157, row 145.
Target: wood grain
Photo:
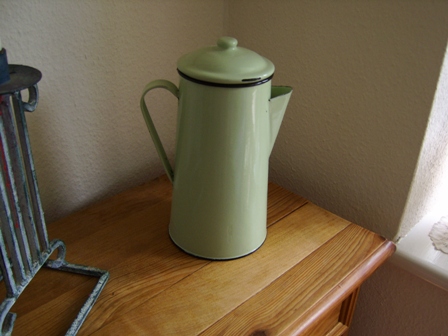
column 281, row 203
column 310, row 263
column 219, row 287
column 338, row 330
column 327, row 322
column 295, row 294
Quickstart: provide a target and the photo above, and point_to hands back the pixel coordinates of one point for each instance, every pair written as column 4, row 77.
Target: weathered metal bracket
column 24, row 244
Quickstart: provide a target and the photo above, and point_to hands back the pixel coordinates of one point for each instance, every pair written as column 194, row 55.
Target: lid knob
column 227, row 42
column 225, row 63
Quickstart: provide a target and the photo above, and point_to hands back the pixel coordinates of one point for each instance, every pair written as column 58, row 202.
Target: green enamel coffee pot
column 227, row 122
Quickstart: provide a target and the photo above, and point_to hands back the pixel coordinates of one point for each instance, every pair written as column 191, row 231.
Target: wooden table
column 303, row 280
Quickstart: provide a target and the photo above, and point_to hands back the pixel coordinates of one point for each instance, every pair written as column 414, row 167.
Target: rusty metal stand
column 24, row 244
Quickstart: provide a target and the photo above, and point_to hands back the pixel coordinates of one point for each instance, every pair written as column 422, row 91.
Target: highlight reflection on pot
column 228, row 119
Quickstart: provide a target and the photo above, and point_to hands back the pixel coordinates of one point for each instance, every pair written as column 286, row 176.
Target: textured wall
column 364, row 74
column 87, row 134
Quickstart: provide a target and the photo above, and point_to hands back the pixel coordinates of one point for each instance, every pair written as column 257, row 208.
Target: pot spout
column 277, row 105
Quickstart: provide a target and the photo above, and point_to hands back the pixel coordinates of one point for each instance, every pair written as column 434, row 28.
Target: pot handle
column 160, row 83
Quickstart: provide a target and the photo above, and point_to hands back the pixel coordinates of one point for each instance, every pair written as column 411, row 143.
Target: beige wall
column 88, row 135
column 364, row 75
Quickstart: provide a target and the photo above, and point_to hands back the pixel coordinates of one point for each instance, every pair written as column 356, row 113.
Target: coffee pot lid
column 226, row 64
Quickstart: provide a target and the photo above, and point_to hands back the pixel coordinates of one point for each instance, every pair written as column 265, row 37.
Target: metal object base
column 24, row 244
column 59, row 264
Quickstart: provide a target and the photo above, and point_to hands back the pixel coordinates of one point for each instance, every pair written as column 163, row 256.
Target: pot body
column 221, row 170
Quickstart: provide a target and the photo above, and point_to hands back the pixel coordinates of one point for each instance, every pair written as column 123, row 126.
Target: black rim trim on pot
column 233, row 85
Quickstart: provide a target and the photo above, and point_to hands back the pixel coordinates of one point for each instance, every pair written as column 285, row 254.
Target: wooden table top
column 310, row 260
